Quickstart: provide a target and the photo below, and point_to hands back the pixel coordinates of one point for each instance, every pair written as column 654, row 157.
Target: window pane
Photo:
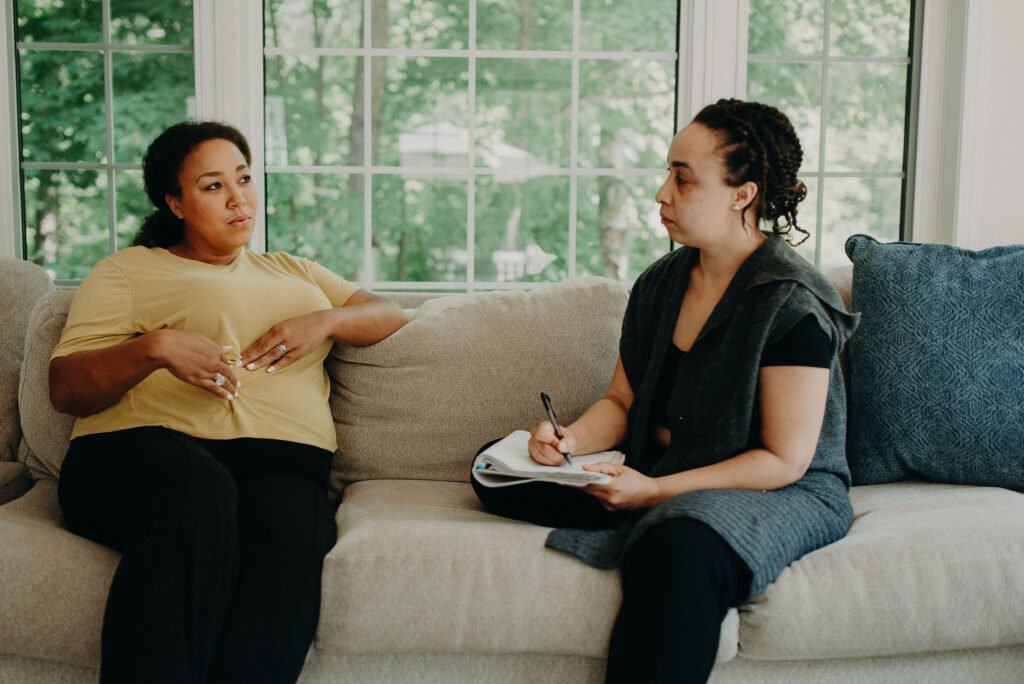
column 319, row 217
column 523, row 114
column 786, row 28
column 132, row 206
column 522, row 229
column 870, row 28
column 313, row 23
column 640, row 25
column 425, row 112
column 858, row 205
column 524, row 25
column 625, row 113
column 70, row 21
column 866, row 117
column 419, row 228
column 309, row 110
column 66, row 219
column 423, row 24
column 147, row 22
column 795, row 88
column 151, row 92
column 618, row 229
column 62, row 106
column 807, row 218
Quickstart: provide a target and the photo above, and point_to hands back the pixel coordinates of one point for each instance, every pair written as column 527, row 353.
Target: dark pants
column 678, row 582
column 222, row 547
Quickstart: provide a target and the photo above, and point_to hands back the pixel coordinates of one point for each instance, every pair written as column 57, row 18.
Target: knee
column 679, row 553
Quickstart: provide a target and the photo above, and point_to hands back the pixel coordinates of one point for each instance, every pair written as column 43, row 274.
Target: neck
column 719, row 263
column 215, row 258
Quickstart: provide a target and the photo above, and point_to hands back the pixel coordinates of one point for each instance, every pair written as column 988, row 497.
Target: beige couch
column 424, row 586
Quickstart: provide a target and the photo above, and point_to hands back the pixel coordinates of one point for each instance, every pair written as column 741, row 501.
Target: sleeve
column 101, row 312
column 806, row 344
column 337, row 289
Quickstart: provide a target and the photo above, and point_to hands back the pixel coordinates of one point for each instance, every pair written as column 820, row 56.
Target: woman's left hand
column 287, row 341
column 628, row 489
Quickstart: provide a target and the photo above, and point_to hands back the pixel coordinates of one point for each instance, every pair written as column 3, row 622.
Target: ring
column 219, row 379
column 281, row 348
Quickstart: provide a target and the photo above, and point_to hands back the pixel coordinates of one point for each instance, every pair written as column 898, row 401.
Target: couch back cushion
column 21, row 285
column 46, row 432
column 938, row 364
column 467, row 369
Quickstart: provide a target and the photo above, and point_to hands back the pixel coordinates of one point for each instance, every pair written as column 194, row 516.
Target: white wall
column 992, row 141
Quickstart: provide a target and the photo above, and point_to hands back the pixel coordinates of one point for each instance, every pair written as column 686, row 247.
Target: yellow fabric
column 138, row 290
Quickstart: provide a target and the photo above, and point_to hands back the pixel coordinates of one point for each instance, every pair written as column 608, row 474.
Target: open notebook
column 507, row 462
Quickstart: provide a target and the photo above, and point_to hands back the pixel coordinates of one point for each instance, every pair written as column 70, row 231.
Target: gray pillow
column 937, row 385
column 468, row 369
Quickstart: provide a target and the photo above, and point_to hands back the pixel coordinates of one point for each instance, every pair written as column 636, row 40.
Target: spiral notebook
column 507, row 462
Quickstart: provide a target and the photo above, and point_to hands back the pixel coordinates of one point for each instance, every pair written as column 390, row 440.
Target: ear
column 174, row 205
column 745, row 195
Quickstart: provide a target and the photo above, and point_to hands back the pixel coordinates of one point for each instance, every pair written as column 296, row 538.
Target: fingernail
column 231, row 396
column 238, row 386
column 227, row 347
column 251, row 366
column 239, row 363
column 271, row 369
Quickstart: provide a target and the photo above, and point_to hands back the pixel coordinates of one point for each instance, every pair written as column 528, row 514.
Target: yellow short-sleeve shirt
column 138, row 290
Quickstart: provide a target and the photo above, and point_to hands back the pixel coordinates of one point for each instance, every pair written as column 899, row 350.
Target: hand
column 196, row 359
column 628, row 489
column 545, row 448
column 287, row 342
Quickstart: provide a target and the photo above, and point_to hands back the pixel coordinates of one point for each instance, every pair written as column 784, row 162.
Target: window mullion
column 712, row 53
column 11, row 239
column 229, row 80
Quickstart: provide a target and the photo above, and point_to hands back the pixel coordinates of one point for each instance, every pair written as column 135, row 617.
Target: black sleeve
column 806, row 344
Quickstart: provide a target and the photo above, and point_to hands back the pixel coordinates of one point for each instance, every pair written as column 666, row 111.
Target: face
column 217, row 202
column 696, row 204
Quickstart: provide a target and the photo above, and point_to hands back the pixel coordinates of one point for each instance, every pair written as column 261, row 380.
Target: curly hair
column 160, row 168
column 758, row 144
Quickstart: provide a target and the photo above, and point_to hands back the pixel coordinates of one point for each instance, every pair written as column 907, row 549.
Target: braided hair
column 758, row 144
column 160, row 167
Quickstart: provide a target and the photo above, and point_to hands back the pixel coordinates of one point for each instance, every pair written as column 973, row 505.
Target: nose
column 663, row 195
column 237, row 197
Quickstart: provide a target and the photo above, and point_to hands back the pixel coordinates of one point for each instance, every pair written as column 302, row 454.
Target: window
column 840, row 69
column 95, row 78
column 468, row 144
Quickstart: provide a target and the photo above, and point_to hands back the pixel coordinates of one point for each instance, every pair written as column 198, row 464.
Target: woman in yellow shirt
column 204, row 435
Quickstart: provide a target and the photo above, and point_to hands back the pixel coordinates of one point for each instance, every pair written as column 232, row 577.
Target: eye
column 213, row 186
column 245, row 179
column 680, row 180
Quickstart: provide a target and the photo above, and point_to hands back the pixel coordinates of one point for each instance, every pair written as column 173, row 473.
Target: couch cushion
column 53, row 584
column 467, row 369
column 46, row 432
column 21, row 284
column 925, row 567
column 420, row 567
column 938, row 364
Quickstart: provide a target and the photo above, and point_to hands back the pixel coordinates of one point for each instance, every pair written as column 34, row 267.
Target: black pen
column 554, row 423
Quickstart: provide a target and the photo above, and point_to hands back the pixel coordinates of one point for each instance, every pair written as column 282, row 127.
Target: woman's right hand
column 196, row 359
column 545, row 447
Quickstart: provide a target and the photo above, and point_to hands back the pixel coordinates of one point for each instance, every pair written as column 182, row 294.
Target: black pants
column 222, row 547
column 678, row 582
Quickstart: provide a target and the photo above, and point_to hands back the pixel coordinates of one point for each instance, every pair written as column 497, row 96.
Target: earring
column 735, row 207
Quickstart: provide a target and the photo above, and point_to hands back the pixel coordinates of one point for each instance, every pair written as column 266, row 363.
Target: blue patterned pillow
column 937, row 364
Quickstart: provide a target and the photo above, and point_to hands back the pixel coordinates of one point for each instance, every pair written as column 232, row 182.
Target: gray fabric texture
column 46, row 432
column 15, row 480
column 717, row 407
column 21, row 285
column 467, row 369
column 938, row 365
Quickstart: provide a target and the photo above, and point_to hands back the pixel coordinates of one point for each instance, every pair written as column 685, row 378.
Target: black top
column 806, row 344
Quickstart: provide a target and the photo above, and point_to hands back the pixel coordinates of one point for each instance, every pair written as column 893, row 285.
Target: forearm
column 365, row 323
column 601, row 427
column 87, row 382
column 754, row 469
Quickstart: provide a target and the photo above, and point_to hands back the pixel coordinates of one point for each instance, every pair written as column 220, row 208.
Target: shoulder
column 283, row 262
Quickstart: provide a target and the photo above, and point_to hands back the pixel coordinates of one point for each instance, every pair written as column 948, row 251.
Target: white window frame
column 229, row 84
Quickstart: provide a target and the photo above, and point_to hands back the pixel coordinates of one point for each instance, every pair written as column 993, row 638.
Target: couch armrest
column 15, row 480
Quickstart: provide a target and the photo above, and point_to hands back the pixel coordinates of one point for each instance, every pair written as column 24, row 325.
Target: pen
column 554, row 423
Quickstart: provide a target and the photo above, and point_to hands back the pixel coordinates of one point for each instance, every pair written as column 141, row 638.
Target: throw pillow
column 937, row 385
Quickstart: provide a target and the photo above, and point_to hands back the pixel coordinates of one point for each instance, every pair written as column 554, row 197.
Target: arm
column 86, row 382
column 364, row 319
column 792, row 406
column 601, row 426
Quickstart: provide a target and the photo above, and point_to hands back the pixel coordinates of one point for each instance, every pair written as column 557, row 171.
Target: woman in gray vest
column 727, row 399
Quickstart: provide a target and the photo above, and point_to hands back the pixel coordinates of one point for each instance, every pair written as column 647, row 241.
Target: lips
column 240, row 220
